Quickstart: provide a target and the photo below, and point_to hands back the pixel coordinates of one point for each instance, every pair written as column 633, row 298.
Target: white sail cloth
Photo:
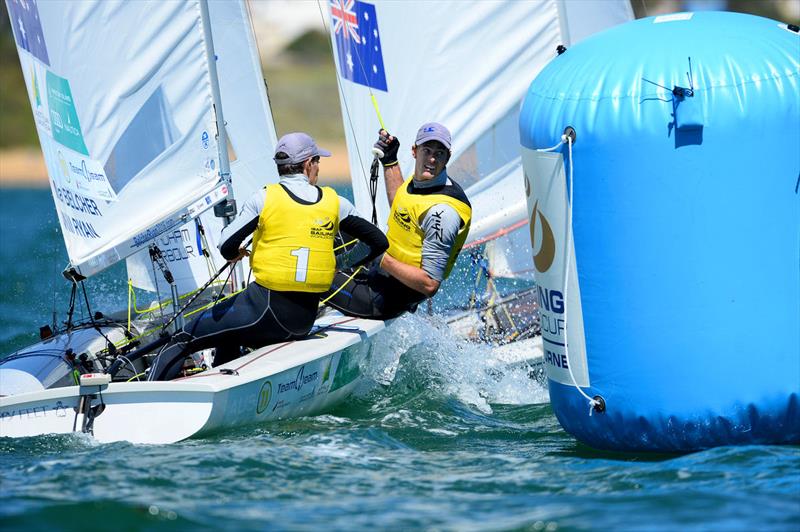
column 124, row 115
column 464, row 64
column 251, row 138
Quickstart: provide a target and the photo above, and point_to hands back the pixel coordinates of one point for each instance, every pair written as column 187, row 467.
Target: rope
column 201, row 231
column 592, row 402
column 204, row 287
column 209, row 305
column 554, row 148
column 155, row 282
column 337, row 248
column 343, row 285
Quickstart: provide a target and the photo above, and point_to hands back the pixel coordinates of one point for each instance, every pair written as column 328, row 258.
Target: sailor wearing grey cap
column 428, row 223
column 293, row 223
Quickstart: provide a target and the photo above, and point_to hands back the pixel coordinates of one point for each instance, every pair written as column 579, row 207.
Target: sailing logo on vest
column 402, row 217
column 358, row 43
column 322, row 228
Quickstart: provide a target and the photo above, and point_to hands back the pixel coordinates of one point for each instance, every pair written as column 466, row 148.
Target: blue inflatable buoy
column 665, row 231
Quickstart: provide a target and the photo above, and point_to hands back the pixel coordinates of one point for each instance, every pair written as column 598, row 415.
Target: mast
column 222, row 135
column 226, row 209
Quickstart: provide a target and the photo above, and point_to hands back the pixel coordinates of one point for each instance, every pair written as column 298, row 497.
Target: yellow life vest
column 293, row 243
column 405, row 233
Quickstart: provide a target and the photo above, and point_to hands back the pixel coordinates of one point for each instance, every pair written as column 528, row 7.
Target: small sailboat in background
column 467, row 65
column 144, row 167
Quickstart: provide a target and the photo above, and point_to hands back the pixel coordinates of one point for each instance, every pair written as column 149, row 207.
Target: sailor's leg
column 257, row 317
column 352, row 297
column 376, row 296
column 293, row 315
column 169, row 360
column 207, row 330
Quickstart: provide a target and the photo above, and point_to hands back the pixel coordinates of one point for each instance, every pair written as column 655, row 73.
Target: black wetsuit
column 376, row 294
column 253, row 318
column 259, row 316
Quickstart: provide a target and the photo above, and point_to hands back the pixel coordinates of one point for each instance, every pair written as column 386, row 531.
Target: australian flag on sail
column 358, row 42
column 24, row 18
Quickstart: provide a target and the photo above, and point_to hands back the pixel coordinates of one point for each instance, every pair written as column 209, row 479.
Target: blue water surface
column 432, row 440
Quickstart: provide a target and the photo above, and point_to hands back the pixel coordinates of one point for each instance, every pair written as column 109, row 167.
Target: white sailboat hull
column 279, row 381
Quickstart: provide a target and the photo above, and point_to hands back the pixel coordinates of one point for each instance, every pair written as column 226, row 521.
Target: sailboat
column 468, row 66
column 150, row 133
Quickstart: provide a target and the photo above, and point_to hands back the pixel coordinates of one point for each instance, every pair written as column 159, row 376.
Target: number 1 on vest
column 301, row 269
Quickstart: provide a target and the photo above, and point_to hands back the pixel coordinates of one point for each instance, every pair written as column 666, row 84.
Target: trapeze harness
column 292, row 262
column 378, row 294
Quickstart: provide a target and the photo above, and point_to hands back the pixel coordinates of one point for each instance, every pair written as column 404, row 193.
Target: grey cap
column 298, row 147
column 433, row 131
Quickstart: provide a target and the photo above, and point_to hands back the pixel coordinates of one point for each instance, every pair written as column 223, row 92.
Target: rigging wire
column 71, row 304
column 53, row 278
column 91, row 316
column 200, row 290
column 258, row 49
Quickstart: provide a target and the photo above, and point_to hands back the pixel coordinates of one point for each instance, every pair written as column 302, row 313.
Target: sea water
column 435, row 438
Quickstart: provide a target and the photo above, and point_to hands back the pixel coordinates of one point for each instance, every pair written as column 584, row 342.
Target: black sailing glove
column 388, row 145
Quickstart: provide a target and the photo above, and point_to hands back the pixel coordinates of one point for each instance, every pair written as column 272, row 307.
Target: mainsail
column 467, row 65
column 191, row 250
column 127, row 125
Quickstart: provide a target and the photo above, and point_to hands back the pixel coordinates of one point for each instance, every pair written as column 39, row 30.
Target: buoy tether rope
column 597, row 403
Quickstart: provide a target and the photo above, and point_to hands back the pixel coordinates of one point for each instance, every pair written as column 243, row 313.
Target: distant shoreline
column 23, row 167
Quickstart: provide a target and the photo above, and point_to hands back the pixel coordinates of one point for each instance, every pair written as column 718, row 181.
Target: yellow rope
column 161, row 304
column 345, row 245
column 204, row 307
column 132, row 299
column 135, row 377
column 377, row 112
column 343, row 285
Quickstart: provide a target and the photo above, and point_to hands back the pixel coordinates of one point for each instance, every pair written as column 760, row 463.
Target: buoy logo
column 542, row 259
column 527, row 186
column 264, row 396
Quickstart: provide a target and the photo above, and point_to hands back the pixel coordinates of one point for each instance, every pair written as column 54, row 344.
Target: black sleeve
column 368, row 234
column 229, row 249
